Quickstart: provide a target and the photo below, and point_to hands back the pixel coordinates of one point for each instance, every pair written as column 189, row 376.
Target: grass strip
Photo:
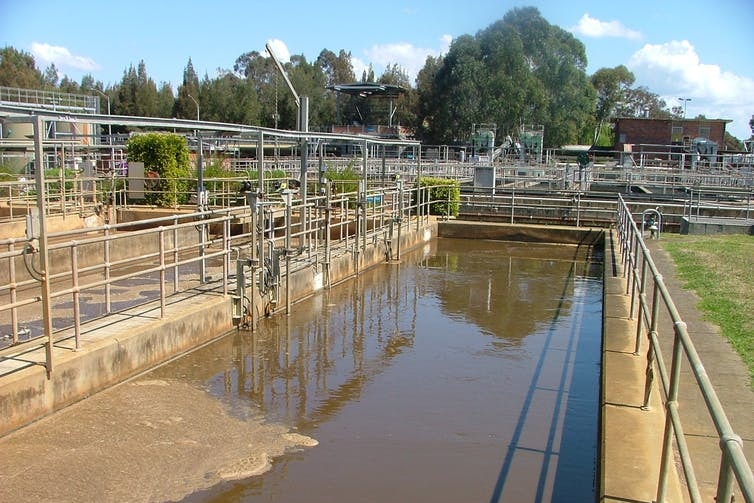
column 720, row 270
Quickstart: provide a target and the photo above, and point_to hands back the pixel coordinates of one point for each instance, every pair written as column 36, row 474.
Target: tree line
column 520, row 70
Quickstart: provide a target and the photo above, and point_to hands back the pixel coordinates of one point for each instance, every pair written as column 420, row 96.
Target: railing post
column 162, row 272
column 642, row 306
column 176, row 276
column 108, row 298
column 649, row 373
column 634, row 270
column 513, row 203
column 226, row 255
column 670, row 405
column 12, row 291
column 43, row 251
column 75, row 288
column 725, row 478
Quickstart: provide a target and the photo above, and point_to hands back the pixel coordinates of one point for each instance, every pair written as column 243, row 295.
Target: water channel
column 469, row 372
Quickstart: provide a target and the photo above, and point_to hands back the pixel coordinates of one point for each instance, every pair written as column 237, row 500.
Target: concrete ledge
column 582, row 236
column 112, row 349
column 631, row 443
column 717, row 225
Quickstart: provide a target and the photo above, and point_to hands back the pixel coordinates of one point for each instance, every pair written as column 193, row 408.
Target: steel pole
column 43, row 252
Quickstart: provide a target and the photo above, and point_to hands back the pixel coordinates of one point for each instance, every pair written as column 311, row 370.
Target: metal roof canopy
column 371, row 90
column 368, row 89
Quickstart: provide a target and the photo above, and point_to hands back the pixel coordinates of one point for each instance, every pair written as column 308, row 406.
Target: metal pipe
column 12, row 291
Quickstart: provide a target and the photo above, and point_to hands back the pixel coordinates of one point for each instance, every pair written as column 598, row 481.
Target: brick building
column 641, row 134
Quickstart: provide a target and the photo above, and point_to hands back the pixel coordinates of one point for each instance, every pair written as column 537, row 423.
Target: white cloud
column 404, row 54
column 673, row 70
column 359, row 67
column 593, row 27
column 62, row 57
column 280, row 49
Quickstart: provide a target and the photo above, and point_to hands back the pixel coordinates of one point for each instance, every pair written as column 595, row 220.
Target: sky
column 697, row 50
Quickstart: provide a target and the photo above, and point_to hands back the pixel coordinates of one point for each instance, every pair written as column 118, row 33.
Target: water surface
column 469, row 372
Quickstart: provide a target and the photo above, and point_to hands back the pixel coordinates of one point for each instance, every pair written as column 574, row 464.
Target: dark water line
column 513, row 446
column 559, row 402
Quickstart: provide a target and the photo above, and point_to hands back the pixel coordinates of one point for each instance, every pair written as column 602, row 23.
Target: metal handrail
column 637, row 263
column 161, row 256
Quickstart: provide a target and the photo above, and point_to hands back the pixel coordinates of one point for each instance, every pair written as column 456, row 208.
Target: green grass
column 720, row 269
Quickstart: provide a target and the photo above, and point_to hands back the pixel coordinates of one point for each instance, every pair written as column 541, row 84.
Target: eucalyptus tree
column 18, row 69
column 227, row 98
column 263, row 85
column 612, row 86
column 426, row 105
column 337, row 69
column 520, row 70
column 405, row 103
column 641, row 102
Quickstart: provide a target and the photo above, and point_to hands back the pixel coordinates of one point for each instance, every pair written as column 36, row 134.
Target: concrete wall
column 125, row 350
column 588, row 237
column 716, row 226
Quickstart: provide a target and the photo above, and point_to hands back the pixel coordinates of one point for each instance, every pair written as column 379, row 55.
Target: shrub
column 444, row 194
column 168, row 156
column 343, row 181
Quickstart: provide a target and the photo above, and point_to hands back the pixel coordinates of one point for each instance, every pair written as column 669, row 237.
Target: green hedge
column 168, row 156
column 444, row 193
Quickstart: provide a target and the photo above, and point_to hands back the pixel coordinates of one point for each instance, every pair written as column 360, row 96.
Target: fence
column 650, row 296
column 95, row 272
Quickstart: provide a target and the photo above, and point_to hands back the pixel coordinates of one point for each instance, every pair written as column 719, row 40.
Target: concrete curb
column 631, row 438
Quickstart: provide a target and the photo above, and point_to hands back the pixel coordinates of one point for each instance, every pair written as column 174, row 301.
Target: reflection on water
column 469, row 372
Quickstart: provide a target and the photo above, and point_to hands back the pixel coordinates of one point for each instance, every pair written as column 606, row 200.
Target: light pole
column 199, row 162
column 197, row 106
column 201, row 196
column 684, row 100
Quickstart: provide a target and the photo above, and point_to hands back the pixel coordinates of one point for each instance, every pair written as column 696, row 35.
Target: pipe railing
column 94, row 262
column 643, row 278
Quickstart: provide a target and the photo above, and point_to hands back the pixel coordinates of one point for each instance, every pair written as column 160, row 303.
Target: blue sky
column 678, row 49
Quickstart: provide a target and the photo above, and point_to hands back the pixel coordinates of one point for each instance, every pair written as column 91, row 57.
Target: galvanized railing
column 172, row 254
column 650, row 295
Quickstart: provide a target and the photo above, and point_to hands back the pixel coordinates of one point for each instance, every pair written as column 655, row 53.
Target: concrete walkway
column 632, row 437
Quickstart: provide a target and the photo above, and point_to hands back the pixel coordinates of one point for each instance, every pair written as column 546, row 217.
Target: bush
column 168, row 156
column 444, row 194
column 343, row 181
column 54, row 174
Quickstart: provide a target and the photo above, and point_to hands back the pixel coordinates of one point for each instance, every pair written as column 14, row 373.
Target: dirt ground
column 145, row 440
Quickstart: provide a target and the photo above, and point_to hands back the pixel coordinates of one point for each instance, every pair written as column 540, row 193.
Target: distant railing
column 50, row 100
column 647, row 289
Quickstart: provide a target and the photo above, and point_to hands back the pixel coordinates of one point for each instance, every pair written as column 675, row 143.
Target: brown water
column 469, row 372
